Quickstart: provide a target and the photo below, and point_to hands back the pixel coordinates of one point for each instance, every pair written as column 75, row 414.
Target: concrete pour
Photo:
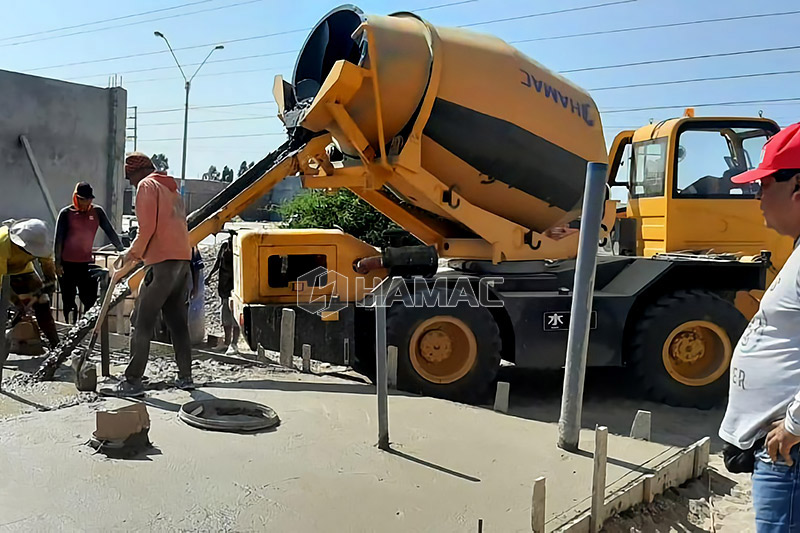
column 452, row 464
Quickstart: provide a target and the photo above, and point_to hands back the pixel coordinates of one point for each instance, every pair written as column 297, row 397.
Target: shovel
column 86, row 376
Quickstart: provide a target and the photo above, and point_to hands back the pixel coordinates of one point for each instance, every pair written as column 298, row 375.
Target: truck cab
column 681, row 197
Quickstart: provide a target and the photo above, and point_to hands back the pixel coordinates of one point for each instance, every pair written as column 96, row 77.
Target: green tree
column 343, row 210
column 160, row 161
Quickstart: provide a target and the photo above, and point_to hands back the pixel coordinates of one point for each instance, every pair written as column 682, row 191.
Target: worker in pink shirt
column 162, row 244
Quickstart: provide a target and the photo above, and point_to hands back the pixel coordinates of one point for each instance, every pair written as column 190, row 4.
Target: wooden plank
column 307, row 358
column 538, row 501
column 391, row 366
column 599, row 477
column 701, row 451
column 501, row 396
column 624, row 498
column 676, row 470
column 641, row 425
column 261, row 355
column 287, row 338
column 5, row 303
column 105, row 349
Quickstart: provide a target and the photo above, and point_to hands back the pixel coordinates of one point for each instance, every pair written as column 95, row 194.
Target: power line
column 116, row 26
column 123, row 17
column 213, row 137
column 655, row 26
column 534, row 15
column 605, row 111
column 695, row 80
column 451, row 4
column 171, row 67
column 276, row 69
column 218, row 106
column 230, row 41
column 235, row 119
column 131, row 56
column 713, row 104
column 685, row 58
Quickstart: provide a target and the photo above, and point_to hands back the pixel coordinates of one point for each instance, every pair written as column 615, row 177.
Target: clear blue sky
column 213, row 21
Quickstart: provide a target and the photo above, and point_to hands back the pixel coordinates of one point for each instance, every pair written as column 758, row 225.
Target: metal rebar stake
column 381, row 369
column 5, row 292
column 569, row 423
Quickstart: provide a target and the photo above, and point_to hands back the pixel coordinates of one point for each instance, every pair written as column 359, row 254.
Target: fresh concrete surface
column 318, row 471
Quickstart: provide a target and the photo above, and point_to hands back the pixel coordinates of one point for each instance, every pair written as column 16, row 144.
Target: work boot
column 185, row 383
column 124, row 389
column 232, row 350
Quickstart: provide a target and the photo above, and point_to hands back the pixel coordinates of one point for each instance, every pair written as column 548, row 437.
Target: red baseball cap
column 781, row 152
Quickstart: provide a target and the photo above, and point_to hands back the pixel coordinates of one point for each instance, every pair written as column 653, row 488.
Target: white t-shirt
column 765, row 370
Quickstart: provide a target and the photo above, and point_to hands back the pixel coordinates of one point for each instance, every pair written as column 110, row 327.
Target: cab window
column 708, row 158
column 648, row 168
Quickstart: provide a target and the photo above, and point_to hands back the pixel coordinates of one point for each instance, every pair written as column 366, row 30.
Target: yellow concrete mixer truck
column 481, row 153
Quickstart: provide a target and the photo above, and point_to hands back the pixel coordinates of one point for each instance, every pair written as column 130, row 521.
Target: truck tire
column 682, row 348
column 451, row 353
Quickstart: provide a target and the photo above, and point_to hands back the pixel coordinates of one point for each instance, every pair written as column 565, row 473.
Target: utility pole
column 188, row 85
column 569, row 423
column 135, row 127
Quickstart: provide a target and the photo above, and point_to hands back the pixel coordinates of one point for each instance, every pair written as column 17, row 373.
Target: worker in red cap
column 162, row 244
column 762, row 420
column 76, row 228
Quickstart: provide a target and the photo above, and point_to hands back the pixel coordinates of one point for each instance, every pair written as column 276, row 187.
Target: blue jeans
column 776, row 493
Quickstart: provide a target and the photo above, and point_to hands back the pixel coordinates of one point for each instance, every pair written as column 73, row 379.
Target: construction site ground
column 451, row 464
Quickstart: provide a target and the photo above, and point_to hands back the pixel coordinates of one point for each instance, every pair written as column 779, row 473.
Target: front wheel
column 682, row 348
column 451, row 353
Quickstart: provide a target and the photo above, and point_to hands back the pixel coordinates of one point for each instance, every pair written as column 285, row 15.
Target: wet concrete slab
column 451, row 465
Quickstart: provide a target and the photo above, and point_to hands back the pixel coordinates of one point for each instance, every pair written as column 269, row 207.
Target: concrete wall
column 76, row 132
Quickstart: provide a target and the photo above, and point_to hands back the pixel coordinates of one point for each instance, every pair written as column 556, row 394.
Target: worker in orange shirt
column 162, row 244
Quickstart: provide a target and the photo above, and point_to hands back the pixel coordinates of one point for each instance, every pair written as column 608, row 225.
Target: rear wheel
column 451, row 353
column 682, row 348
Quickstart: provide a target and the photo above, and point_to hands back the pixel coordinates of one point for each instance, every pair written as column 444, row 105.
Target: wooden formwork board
column 686, row 464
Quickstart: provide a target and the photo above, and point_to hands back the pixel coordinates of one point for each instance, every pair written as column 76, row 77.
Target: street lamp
column 186, row 109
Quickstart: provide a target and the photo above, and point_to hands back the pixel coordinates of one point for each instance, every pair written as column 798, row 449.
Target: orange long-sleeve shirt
column 163, row 234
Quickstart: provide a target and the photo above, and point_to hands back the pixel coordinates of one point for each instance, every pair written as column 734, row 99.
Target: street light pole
column 185, row 137
column 188, row 86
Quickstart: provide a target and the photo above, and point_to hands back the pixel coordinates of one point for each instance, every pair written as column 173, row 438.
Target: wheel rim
column 697, row 353
column 443, row 349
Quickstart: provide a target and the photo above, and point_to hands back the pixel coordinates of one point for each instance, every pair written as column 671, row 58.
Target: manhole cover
column 228, row 415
